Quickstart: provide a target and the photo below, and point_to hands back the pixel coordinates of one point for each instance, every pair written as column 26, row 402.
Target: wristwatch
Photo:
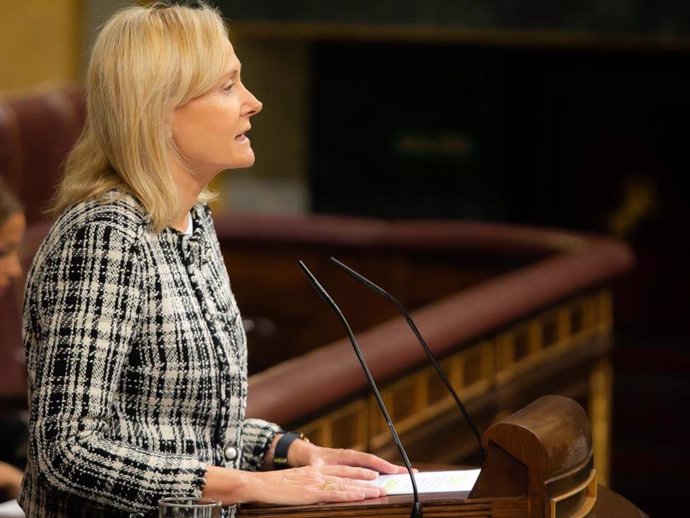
column 280, row 457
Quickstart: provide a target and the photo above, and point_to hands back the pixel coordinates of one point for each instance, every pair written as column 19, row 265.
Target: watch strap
column 280, row 457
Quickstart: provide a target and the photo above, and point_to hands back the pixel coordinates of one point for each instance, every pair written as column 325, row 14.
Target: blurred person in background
column 12, row 229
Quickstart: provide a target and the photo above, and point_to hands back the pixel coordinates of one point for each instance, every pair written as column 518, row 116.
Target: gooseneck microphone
column 390, row 298
column 416, row 511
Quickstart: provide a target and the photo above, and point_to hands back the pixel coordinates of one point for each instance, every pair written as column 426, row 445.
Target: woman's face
column 209, row 130
column 11, row 235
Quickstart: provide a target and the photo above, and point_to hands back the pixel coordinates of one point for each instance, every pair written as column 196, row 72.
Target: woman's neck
column 189, row 186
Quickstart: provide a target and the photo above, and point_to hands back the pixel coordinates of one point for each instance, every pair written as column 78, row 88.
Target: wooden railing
column 577, row 327
column 542, row 326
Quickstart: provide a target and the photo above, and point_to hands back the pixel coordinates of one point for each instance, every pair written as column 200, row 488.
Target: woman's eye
column 228, row 87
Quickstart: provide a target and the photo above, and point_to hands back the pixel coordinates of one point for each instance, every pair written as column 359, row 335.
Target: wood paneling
column 494, row 376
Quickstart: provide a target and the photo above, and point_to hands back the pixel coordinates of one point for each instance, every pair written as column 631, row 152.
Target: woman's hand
column 303, row 453
column 296, row 486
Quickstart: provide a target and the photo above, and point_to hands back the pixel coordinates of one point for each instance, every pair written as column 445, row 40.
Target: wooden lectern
column 539, row 465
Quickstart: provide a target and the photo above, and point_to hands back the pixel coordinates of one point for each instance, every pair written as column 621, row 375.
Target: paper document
column 429, row 482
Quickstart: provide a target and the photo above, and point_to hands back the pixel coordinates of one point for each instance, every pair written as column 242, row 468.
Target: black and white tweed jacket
column 137, row 365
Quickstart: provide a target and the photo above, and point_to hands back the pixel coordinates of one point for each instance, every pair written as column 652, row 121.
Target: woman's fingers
column 312, row 484
column 352, row 472
column 337, row 489
column 313, row 455
column 368, row 460
column 352, row 481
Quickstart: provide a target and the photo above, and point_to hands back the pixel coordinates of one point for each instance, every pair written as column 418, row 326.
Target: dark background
column 587, row 133
column 586, row 140
column 601, row 16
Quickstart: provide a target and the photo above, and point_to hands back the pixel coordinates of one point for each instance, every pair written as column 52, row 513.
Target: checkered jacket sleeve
column 85, row 315
column 136, row 357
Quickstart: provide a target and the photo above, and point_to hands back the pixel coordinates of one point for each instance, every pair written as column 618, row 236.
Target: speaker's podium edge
column 539, row 464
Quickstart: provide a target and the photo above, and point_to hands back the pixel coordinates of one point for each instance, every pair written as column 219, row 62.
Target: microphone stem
column 416, row 511
column 387, row 417
column 390, row 298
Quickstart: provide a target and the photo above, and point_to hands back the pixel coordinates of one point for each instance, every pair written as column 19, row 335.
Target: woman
column 12, row 228
column 135, row 348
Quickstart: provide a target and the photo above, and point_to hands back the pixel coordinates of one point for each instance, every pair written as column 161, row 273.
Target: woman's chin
column 241, row 164
column 247, row 161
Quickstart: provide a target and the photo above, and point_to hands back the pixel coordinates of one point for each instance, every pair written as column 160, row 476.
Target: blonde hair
column 145, row 62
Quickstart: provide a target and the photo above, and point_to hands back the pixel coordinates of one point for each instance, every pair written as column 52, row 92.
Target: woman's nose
column 254, row 106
